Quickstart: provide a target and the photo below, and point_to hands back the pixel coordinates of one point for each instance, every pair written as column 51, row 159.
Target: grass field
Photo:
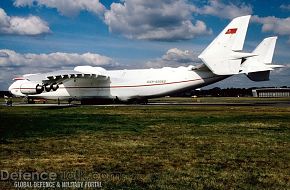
column 152, row 147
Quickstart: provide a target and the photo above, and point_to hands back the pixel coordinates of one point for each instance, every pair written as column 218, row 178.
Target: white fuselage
column 221, row 59
column 126, row 85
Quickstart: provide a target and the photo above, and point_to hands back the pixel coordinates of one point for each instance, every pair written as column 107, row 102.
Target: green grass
column 215, row 100
column 157, row 147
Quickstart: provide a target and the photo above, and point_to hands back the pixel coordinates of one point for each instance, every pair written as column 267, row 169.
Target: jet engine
column 54, row 87
column 30, row 88
column 50, row 87
column 47, row 87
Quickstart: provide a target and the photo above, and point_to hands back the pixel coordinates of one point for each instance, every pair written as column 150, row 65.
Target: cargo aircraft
column 221, row 59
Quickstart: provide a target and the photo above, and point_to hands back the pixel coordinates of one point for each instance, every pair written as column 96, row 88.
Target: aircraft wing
column 200, row 67
column 61, row 75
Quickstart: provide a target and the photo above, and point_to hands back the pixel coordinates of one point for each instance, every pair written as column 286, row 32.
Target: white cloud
column 222, row 10
column 280, row 26
column 180, row 56
column 13, row 64
column 273, row 24
column 285, row 7
column 66, row 7
column 167, row 20
column 31, row 25
column 174, row 58
column 154, row 20
column 10, row 58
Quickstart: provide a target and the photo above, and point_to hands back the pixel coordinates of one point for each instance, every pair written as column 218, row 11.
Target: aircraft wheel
column 30, row 101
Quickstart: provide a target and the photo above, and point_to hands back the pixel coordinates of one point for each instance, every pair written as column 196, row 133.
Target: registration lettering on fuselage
column 156, row 81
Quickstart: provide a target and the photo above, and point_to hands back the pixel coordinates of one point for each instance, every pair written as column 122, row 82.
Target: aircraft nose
column 10, row 88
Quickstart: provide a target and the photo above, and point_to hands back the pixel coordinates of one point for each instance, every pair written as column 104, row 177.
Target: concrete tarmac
column 272, row 103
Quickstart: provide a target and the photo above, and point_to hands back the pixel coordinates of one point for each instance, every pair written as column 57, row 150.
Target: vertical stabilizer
column 258, row 67
column 265, row 50
column 221, row 56
column 262, row 61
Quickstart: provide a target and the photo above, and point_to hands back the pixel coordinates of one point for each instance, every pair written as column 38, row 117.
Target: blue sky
column 46, row 35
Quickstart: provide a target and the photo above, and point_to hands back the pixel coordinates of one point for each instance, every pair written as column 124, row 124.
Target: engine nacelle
column 47, row 87
column 30, row 88
column 50, row 87
column 54, row 87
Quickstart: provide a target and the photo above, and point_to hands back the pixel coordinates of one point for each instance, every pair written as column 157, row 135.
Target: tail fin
column 222, row 56
column 258, row 68
column 265, row 50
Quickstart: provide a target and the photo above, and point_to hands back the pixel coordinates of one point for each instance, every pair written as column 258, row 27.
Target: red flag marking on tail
column 231, row 31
